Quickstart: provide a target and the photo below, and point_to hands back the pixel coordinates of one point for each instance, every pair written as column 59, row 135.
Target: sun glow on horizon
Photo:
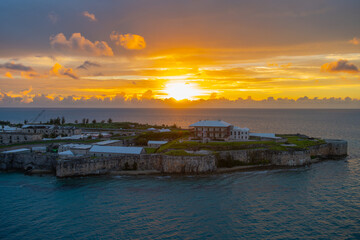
column 181, row 90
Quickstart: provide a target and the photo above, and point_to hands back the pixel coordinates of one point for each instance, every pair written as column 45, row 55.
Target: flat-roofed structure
column 211, row 129
column 219, row 130
column 50, row 129
column 76, row 149
column 109, row 151
column 18, row 137
column 156, row 144
column 239, row 134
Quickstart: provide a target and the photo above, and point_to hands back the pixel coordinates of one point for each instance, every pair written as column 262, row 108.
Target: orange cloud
column 90, row 16
column 128, row 41
column 80, row 44
column 355, row 41
column 32, row 74
column 8, row 74
column 26, row 92
column 58, row 70
column 340, row 66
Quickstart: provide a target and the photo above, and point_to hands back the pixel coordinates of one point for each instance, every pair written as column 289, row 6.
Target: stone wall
column 331, row 149
column 28, row 161
column 167, row 164
column 161, row 163
column 261, row 156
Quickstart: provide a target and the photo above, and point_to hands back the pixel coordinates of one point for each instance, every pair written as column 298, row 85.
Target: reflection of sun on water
column 181, row 90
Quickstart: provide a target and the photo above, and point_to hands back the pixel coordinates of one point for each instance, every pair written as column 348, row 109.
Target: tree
column 76, row 121
column 25, row 121
column 102, row 121
column 57, row 121
column 94, row 121
column 100, row 135
column 84, row 120
column 63, row 120
column 87, row 121
column 109, row 120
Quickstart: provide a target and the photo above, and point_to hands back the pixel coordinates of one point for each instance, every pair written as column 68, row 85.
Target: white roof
column 17, row 150
column 151, row 129
column 241, row 129
column 264, row 135
column 164, row 130
column 210, row 123
column 114, row 149
column 102, row 143
column 75, row 137
column 38, row 125
column 157, row 142
column 77, row 146
column 10, row 129
column 66, row 153
column 39, row 148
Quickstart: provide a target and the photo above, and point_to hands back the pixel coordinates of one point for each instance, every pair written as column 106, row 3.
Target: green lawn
column 301, row 143
column 150, row 150
column 181, row 153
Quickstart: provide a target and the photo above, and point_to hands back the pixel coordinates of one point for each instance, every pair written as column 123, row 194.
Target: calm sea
column 319, row 201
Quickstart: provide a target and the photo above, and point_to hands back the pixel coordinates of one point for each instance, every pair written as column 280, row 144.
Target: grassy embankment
column 180, row 147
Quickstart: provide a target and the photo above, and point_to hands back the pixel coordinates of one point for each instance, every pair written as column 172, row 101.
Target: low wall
column 161, row 163
column 262, row 156
column 28, row 161
column 329, row 150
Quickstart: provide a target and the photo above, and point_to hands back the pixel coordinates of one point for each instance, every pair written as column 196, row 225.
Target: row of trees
column 86, row 121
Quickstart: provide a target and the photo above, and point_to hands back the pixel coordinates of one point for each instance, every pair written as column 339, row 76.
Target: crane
column 37, row 117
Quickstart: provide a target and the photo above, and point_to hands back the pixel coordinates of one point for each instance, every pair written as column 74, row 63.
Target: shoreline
column 219, row 171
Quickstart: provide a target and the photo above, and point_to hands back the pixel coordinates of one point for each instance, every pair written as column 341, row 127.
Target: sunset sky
column 198, row 49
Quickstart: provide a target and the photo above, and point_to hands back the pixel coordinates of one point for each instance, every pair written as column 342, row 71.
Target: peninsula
column 106, row 147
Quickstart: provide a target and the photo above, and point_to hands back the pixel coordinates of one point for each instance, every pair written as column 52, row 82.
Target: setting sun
column 181, row 90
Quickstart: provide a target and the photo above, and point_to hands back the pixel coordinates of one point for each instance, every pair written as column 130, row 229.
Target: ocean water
column 321, row 201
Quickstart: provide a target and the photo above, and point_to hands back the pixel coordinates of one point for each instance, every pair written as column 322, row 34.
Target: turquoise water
column 321, row 201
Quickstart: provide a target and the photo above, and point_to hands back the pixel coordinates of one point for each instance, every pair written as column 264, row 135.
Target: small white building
column 111, row 151
column 156, row 144
column 239, row 134
column 76, row 149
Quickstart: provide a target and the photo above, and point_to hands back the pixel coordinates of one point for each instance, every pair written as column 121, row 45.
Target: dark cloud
column 53, row 17
column 340, row 66
column 14, row 66
column 79, row 44
column 87, row 64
